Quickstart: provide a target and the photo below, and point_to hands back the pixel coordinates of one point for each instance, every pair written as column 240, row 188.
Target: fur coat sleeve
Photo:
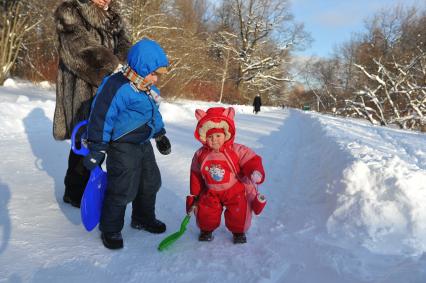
column 81, row 51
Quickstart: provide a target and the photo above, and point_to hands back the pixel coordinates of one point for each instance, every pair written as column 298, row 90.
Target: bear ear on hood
column 229, row 112
column 199, row 114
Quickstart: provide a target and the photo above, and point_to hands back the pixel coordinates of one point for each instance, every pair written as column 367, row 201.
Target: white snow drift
column 346, row 203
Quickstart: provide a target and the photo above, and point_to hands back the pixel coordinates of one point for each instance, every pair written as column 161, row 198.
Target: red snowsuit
column 222, row 179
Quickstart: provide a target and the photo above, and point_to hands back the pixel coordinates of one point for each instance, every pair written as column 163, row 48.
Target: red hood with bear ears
column 215, row 117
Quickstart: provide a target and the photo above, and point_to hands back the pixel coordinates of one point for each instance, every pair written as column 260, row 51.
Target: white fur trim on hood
column 208, row 125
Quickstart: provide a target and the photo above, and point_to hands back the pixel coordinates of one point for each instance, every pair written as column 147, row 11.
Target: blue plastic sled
column 93, row 196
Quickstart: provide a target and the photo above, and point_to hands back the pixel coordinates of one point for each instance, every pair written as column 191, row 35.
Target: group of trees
column 27, row 43
column 239, row 48
column 229, row 52
column 379, row 75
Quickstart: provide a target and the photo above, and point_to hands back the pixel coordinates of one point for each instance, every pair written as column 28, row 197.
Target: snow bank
column 382, row 203
column 366, row 186
column 382, row 207
column 10, row 83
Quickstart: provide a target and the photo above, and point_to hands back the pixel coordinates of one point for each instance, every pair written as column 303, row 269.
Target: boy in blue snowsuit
column 123, row 119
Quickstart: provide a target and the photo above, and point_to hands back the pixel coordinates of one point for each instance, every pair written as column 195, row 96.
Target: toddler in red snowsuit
column 223, row 174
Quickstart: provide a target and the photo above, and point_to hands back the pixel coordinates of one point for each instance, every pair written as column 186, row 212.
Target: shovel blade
column 169, row 240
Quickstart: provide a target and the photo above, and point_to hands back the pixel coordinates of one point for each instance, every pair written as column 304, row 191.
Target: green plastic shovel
column 169, row 240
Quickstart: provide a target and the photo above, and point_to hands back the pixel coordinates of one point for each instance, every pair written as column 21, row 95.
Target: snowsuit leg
column 76, row 177
column 123, row 178
column 209, row 211
column 238, row 212
column 143, row 206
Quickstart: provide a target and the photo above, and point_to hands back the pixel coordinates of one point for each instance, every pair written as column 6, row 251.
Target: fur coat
column 92, row 42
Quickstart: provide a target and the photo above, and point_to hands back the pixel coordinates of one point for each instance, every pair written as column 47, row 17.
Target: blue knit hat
column 146, row 56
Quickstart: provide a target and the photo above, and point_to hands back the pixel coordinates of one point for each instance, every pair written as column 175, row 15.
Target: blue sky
column 331, row 22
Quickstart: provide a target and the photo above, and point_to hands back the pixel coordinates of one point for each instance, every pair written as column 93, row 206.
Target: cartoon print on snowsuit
column 218, row 178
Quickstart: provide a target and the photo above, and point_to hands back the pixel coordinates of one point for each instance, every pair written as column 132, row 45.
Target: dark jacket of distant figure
column 92, row 43
column 257, row 102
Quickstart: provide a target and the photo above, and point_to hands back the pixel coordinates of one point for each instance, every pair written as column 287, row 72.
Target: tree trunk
column 224, row 75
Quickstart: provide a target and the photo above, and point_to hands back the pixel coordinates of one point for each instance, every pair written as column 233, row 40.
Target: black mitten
column 93, row 159
column 163, row 145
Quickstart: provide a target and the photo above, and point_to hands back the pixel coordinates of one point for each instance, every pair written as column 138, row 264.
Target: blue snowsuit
column 122, row 121
column 119, row 109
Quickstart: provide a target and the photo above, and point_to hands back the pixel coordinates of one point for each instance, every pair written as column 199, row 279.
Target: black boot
column 240, row 238
column 76, row 178
column 205, row 236
column 68, row 199
column 112, row 240
column 155, row 226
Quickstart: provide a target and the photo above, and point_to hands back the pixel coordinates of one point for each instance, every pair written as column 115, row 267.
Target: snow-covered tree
column 258, row 39
column 378, row 75
column 179, row 27
column 397, row 94
column 390, row 80
column 14, row 25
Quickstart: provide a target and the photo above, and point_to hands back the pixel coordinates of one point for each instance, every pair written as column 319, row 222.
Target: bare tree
column 223, row 44
column 390, row 81
column 5, row 5
column 322, row 78
column 379, row 75
column 14, row 27
column 398, row 96
column 264, row 33
column 179, row 25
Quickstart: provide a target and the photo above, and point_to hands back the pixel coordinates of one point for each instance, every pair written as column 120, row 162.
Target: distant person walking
column 257, row 102
column 92, row 43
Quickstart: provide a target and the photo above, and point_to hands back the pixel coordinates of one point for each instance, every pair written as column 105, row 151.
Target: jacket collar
column 108, row 20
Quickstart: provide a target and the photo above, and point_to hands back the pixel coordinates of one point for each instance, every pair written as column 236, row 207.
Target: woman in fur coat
column 92, row 43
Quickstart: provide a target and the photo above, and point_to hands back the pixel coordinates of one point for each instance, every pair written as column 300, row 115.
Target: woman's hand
column 102, row 3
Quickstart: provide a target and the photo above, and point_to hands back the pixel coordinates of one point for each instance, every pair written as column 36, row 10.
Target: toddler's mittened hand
column 93, row 159
column 256, row 177
column 190, row 200
column 163, row 145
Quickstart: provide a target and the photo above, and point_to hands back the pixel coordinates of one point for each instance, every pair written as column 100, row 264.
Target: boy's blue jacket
column 119, row 110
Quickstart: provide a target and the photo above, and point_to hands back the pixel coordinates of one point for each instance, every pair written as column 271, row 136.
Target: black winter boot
column 240, row 238
column 155, row 226
column 112, row 240
column 68, row 199
column 205, row 236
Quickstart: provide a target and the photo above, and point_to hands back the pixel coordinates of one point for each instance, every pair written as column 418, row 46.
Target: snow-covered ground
column 346, row 203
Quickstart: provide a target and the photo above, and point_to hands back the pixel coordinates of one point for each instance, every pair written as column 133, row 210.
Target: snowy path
column 346, row 203
column 50, row 242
